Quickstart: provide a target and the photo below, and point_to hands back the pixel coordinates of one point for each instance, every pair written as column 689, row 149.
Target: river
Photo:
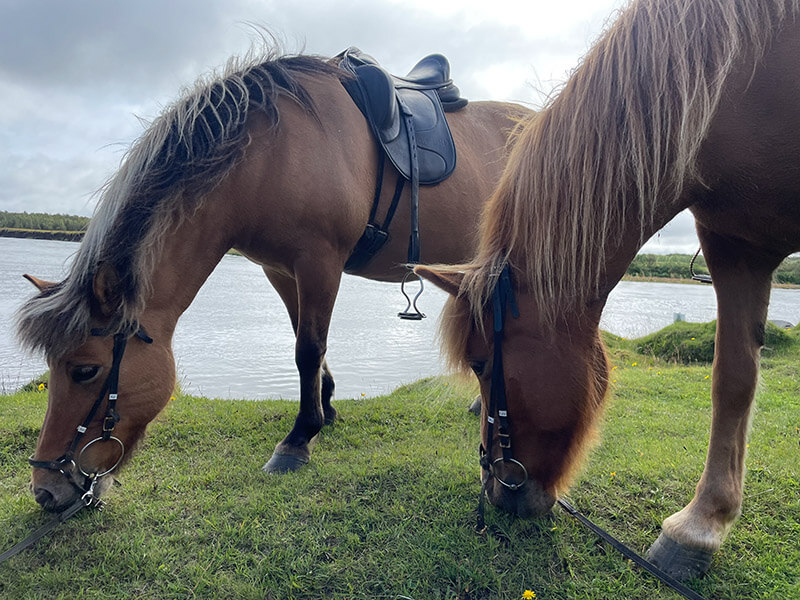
column 235, row 340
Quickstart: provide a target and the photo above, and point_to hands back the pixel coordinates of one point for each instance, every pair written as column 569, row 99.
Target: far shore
column 75, row 236
column 638, row 278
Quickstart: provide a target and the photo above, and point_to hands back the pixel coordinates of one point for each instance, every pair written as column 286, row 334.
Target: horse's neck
column 189, row 254
column 635, row 234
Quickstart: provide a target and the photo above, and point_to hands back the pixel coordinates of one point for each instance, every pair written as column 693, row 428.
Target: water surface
column 235, row 340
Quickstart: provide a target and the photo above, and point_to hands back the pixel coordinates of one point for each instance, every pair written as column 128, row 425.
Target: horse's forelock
column 55, row 321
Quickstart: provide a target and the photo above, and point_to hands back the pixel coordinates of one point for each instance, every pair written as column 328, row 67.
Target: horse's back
column 306, row 186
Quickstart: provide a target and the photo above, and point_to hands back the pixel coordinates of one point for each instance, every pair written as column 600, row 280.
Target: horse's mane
column 622, row 135
column 180, row 158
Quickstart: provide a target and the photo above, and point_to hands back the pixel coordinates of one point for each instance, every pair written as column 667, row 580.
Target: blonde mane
column 183, row 155
column 620, row 140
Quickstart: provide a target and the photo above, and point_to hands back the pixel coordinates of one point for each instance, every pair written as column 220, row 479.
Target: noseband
column 502, row 297
column 68, row 463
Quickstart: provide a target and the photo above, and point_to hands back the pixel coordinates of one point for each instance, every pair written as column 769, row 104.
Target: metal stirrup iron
column 408, row 313
column 701, row 277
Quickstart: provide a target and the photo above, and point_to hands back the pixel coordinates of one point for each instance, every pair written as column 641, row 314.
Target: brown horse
column 273, row 159
column 681, row 103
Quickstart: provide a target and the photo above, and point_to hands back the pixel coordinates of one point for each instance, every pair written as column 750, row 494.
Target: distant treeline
column 676, row 266
column 42, row 221
column 660, row 266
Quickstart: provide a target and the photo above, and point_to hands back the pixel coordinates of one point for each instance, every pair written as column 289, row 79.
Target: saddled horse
column 274, row 159
column 680, row 104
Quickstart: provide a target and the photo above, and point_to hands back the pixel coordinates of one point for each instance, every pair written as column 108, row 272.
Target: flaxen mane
column 182, row 156
column 624, row 132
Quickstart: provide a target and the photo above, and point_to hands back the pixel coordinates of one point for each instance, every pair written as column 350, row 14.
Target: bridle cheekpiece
column 502, row 298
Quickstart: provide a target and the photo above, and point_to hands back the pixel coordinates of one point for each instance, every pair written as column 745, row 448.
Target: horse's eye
column 85, row 373
column 478, row 366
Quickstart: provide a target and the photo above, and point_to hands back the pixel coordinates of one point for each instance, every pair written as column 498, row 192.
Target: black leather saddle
column 388, row 102
column 406, row 115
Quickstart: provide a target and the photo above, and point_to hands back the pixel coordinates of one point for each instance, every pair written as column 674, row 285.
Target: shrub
column 694, row 342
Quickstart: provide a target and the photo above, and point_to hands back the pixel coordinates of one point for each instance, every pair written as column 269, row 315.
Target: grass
column 386, row 508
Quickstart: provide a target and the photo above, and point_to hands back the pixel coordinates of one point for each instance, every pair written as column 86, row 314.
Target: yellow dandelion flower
column 41, row 387
column 613, row 473
column 634, row 364
column 528, row 595
column 692, row 338
column 707, row 376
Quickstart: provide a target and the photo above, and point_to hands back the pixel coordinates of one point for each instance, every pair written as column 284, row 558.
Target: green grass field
column 386, row 509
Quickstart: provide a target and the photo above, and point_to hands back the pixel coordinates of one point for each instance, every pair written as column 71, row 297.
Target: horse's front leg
column 742, row 279
column 316, row 292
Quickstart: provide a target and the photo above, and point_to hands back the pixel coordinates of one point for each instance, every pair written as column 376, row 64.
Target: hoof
column 284, row 463
column 681, row 562
column 475, row 407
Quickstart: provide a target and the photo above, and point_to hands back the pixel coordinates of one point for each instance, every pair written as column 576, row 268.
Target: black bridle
column 503, row 297
column 68, row 463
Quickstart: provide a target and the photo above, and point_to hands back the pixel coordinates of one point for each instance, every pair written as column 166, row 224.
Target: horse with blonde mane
column 272, row 158
column 680, row 104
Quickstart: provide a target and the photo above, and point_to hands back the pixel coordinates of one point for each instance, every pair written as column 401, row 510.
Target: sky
column 80, row 79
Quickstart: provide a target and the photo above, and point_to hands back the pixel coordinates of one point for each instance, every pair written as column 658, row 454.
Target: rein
column 69, row 462
column 502, row 297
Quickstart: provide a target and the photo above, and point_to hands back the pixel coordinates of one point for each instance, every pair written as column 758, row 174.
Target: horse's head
column 554, row 380
column 86, row 431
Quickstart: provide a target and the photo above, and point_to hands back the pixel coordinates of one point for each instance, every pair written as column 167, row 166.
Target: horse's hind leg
column 287, row 289
column 315, row 293
column 742, row 278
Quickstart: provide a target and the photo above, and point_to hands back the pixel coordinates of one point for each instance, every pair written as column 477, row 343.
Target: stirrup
column 408, row 314
column 701, row 277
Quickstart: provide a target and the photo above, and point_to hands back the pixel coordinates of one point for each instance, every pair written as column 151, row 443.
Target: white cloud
column 75, row 75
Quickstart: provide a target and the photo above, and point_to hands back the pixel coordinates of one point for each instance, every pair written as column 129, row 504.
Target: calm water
column 235, row 340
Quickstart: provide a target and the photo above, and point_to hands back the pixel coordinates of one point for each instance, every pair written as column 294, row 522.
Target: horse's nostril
column 44, row 497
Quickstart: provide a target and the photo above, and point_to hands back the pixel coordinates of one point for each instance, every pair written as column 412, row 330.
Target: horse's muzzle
column 530, row 500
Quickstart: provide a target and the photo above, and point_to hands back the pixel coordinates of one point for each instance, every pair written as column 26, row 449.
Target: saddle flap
column 435, row 149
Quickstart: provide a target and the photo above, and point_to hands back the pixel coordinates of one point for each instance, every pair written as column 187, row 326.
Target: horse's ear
column 40, row 284
column 106, row 289
column 449, row 281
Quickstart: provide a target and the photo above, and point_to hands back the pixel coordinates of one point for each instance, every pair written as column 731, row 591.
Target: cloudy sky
column 80, row 77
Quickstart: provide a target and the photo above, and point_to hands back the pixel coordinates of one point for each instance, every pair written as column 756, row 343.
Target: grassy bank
column 42, row 234
column 386, row 508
